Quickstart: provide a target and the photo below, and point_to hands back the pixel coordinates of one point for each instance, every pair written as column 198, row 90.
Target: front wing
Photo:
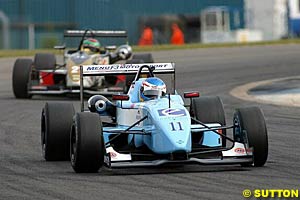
column 50, row 90
column 238, row 154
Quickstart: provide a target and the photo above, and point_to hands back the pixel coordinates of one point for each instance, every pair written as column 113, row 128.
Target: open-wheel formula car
column 43, row 75
column 150, row 126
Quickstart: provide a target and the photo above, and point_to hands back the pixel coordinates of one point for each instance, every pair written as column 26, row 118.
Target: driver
column 91, row 46
column 152, row 88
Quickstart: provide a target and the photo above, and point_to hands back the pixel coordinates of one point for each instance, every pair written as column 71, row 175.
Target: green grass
column 199, row 45
column 23, row 52
column 18, row 53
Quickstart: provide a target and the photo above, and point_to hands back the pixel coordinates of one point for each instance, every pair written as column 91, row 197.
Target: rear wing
column 123, row 69
column 95, row 33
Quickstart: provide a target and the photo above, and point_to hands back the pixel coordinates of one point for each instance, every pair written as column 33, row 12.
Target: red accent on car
column 46, row 78
column 145, row 84
column 122, row 97
column 191, row 94
column 120, row 79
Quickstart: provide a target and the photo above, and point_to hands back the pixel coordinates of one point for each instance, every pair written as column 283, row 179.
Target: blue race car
column 150, row 126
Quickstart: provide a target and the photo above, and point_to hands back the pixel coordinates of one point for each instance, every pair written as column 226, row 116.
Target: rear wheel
column 87, row 143
column 44, row 61
column 144, row 58
column 134, row 61
column 208, row 110
column 250, row 122
column 56, row 125
column 21, row 77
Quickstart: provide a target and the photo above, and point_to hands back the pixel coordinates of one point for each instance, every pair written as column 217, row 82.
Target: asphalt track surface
column 25, row 175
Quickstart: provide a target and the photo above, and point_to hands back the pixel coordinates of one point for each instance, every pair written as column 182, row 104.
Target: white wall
column 294, row 8
column 269, row 16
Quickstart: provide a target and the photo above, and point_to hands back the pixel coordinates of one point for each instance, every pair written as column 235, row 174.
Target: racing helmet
column 152, row 88
column 91, row 45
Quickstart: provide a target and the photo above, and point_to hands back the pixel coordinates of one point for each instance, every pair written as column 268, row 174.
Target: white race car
column 43, row 75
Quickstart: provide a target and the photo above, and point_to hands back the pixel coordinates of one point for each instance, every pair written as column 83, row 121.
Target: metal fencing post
column 31, row 36
column 5, row 22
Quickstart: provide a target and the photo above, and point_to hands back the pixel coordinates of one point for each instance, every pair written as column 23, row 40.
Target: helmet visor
column 153, row 93
column 92, row 49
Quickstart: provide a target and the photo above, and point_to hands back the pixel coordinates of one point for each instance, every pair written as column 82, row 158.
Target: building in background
column 29, row 24
column 221, row 24
column 294, row 18
column 40, row 23
column 269, row 17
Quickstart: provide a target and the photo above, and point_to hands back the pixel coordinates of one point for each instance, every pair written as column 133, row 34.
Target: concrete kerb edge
column 241, row 92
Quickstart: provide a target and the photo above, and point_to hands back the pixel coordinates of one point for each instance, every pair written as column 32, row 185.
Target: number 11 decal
column 176, row 126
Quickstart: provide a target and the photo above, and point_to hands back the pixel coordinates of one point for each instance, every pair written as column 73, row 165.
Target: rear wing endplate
column 95, row 33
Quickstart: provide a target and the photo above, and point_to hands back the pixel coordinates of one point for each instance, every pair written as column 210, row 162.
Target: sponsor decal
column 96, row 32
column 138, row 116
column 104, row 67
column 173, row 112
column 239, row 150
column 135, row 67
column 112, row 154
column 242, row 151
column 180, row 142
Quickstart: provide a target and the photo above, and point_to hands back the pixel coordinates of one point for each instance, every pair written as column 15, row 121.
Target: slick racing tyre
column 144, row 58
column 56, row 125
column 21, row 78
column 134, row 61
column 87, row 143
column 44, row 61
column 209, row 110
column 250, row 121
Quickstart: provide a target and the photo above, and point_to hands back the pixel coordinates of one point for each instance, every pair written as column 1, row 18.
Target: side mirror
column 122, row 97
column 111, row 47
column 191, row 94
column 60, row 47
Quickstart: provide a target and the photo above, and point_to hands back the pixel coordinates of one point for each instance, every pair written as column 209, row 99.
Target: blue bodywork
column 161, row 130
column 167, row 127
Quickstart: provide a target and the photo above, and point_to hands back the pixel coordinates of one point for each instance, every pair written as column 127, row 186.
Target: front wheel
column 44, row 61
column 21, row 78
column 87, row 143
column 250, row 122
column 144, row 58
column 56, row 122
